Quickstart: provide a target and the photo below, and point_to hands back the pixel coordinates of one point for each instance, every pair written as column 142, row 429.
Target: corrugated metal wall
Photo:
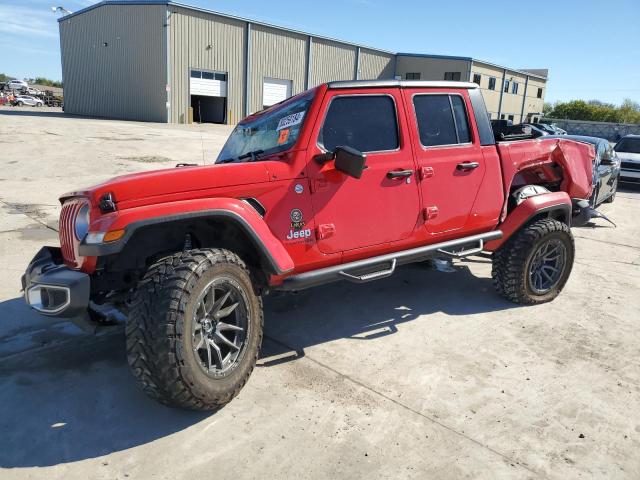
column 331, row 61
column 376, row 65
column 276, row 54
column 124, row 79
column 210, row 42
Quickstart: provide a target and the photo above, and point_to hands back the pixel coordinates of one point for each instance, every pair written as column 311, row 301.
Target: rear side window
column 367, row 123
column 442, row 120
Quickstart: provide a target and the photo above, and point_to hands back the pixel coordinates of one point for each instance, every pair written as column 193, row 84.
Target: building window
column 492, row 83
column 350, row 121
column 196, row 74
column 476, row 78
column 510, row 117
column 413, row 76
column 506, row 86
column 452, row 76
column 502, row 117
column 514, row 88
column 442, row 120
column 539, row 93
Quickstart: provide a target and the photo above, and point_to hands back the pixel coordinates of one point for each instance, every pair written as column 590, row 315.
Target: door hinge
column 325, row 230
column 319, row 185
column 429, row 213
column 425, row 172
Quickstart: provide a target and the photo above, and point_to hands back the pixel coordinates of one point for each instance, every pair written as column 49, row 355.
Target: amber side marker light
column 113, row 235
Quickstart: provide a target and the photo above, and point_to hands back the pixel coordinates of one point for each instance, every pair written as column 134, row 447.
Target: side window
column 367, row 123
column 442, row 120
column 460, row 115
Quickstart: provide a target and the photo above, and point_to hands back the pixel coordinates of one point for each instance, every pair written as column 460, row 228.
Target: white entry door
column 275, row 90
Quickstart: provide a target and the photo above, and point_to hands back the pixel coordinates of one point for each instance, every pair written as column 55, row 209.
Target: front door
column 383, row 205
column 449, row 157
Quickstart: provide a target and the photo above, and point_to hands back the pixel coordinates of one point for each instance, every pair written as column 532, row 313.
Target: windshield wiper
column 254, row 154
column 226, row 160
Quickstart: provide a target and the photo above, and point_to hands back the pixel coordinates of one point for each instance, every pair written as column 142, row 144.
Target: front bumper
column 53, row 289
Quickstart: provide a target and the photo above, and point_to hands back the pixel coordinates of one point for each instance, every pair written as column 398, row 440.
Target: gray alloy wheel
column 547, row 265
column 220, row 326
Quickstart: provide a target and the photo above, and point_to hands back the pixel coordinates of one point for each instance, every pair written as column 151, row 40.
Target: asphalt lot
column 421, row 375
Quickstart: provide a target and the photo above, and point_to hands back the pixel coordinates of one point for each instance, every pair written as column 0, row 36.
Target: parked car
column 344, row 181
column 628, row 150
column 21, row 100
column 17, row 85
column 549, row 128
column 606, row 169
column 534, row 131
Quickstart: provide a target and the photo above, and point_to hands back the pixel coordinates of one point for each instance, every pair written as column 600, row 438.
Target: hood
column 628, row 156
column 174, row 183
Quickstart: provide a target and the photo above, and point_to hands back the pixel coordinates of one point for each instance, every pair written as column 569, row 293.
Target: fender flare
column 229, row 209
column 552, row 204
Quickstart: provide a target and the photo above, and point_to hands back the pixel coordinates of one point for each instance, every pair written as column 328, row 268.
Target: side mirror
column 350, row 161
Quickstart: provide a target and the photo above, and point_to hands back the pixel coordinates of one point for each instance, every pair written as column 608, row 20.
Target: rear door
column 383, row 205
column 448, row 154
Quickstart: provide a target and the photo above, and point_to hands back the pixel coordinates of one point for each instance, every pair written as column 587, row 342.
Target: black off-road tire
column 160, row 347
column 512, row 262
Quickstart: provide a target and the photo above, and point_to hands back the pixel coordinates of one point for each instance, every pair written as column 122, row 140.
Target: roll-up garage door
column 208, row 92
column 275, row 90
column 209, row 84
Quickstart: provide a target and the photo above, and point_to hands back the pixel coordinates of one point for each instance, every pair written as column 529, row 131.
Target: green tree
column 5, row 78
column 596, row 111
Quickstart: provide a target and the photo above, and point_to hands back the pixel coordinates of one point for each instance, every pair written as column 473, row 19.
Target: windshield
column 273, row 131
column 628, row 145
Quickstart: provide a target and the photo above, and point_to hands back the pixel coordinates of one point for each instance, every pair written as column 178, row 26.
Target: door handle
column 399, row 173
column 467, row 165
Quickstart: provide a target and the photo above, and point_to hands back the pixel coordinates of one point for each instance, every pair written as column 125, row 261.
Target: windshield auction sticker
column 290, row 120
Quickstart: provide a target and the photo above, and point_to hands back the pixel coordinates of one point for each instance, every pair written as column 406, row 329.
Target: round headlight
column 82, row 222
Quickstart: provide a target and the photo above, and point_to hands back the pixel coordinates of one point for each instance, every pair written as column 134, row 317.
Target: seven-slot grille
column 68, row 241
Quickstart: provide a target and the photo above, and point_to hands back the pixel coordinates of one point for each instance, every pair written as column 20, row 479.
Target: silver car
column 21, row 100
column 628, row 150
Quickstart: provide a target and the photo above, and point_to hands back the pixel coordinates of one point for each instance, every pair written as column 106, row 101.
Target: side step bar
column 383, row 266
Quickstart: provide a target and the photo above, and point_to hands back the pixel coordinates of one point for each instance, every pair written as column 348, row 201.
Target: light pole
column 61, row 10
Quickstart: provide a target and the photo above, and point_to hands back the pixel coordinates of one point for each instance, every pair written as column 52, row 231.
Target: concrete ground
column 421, row 375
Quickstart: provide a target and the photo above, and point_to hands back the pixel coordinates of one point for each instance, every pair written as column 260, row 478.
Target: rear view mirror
column 350, row 161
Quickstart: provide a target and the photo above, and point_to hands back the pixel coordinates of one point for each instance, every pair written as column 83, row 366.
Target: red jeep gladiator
column 345, row 181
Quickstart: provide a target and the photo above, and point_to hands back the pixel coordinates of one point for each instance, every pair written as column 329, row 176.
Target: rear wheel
column 195, row 329
column 534, row 265
column 20, row 104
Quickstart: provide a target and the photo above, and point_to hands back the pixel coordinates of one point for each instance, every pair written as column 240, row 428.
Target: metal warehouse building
column 161, row 61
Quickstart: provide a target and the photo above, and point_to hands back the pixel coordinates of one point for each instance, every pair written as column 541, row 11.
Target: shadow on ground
column 78, row 401
column 42, row 112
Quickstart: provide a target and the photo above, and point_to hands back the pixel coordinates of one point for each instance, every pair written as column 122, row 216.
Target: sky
column 590, row 47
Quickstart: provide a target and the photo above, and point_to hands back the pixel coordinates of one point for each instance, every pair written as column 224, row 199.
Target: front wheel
column 612, row 197
column 534, row 265
column 195, row 329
